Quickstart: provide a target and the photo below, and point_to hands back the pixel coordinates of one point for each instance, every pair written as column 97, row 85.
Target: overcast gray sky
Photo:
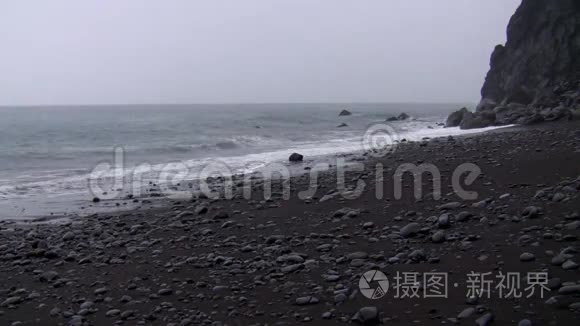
column 218, row 51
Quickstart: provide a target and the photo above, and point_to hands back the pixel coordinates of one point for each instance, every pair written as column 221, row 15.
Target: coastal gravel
column 285, row 262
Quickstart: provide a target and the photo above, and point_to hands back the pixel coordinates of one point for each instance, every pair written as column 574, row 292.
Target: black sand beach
column 286, row 262
column 479, row 229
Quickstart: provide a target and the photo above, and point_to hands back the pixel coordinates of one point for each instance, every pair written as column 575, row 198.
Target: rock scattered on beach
column 367, row 316
column 295, row 157
column 527, row 257
column 410, row 230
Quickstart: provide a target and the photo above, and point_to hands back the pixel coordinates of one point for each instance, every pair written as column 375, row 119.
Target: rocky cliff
column 535, row 76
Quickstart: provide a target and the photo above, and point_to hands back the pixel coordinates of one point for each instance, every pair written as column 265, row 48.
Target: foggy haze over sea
column 142, row 52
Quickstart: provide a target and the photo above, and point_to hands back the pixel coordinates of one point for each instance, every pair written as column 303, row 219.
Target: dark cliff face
column 538, row 69
column 542, row 53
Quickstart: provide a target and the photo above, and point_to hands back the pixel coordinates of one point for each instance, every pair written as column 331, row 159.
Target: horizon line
column 225, row 103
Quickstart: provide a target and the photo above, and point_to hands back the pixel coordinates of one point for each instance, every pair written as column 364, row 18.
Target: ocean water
column 48, row 153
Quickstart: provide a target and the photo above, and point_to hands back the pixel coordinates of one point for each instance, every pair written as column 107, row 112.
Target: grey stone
column 165, row 291
column 291, row 268
column 527, row 257
column 410, row 229
column 569, row 264
column 451, row 205
column 295, row 157
column 11, row 301
column 367, row 315
column 102, row 290
column 112, row 312
column 569, row 289
column 357, row 255
column 438, row 237
column 466, row 313
column 308, row 300
column 525, row 322
column 443, row 222
column 531, row 212
column 68, row 236
column 48, row 276
column 485, row 320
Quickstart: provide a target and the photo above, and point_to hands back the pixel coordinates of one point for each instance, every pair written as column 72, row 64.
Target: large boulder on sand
column 454, row 119
column 344, row 113
column 477, row 120
column 295, row 157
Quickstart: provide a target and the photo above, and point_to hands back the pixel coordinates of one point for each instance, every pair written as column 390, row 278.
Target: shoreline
column 80, row 205
column 259, row 261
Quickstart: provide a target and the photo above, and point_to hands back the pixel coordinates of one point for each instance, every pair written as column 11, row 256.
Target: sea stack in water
column 403, row 116
column 344, row 113
column 295, row 157
column 535, row 76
